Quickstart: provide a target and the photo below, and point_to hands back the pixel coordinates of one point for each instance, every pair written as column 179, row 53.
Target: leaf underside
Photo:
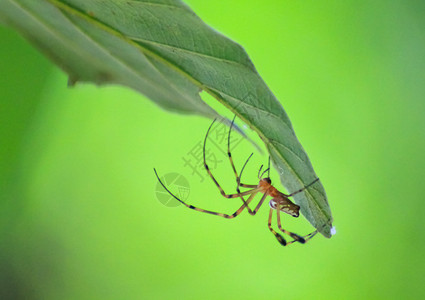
column 163, row 50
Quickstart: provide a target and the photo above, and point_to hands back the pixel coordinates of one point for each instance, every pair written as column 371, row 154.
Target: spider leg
column 252, row 194
column 259, row 204
column 306, row 237
column 222, row 192
column 302, row 189
column 238, row 180
column 277, row 235
column 229, row 154
column 296, row 237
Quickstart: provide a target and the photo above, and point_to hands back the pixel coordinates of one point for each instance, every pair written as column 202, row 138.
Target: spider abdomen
column 285, row 205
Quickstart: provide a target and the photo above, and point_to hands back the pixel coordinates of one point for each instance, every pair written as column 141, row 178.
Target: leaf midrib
column 220, row 59
column 153, row 4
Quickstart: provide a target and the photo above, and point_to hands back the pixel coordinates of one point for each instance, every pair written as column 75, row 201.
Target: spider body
column 287, row 206
column 280, row 202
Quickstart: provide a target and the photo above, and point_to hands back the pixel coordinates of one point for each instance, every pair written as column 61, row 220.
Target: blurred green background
column 79, row 217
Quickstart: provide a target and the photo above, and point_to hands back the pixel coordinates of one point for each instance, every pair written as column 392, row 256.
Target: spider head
column 267, row 179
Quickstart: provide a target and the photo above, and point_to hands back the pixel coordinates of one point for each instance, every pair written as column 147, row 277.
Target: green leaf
column 163, row 50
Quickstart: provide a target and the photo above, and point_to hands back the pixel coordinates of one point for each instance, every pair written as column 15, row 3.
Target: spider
column 280, row 202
